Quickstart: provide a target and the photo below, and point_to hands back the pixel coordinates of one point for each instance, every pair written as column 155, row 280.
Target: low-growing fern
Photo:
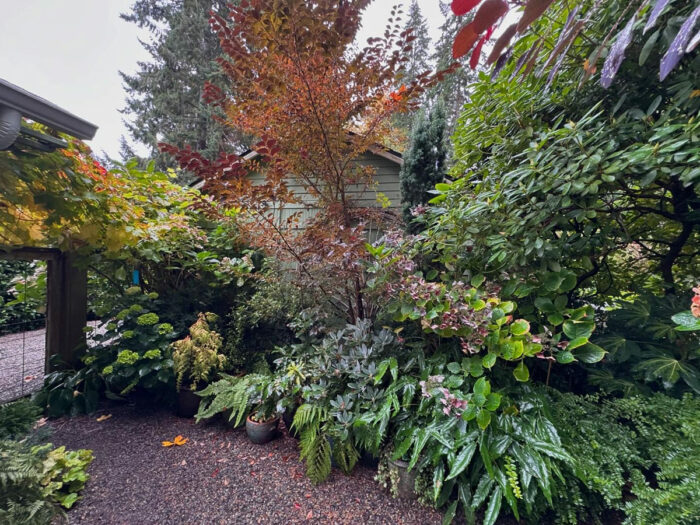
column 316, row 450
column 230, row 393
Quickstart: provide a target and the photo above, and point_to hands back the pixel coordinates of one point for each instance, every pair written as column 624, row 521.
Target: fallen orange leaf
column 168, row 443
column 179, row 440
column 103, row 418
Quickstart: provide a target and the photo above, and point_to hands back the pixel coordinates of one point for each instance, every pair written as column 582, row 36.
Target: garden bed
column 218, row 476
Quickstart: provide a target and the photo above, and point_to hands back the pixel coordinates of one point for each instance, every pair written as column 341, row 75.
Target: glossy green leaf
column 521, row 372
column 462, row 460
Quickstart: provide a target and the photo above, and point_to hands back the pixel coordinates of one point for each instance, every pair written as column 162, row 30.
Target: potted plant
column 196, row 360
column 261, row 424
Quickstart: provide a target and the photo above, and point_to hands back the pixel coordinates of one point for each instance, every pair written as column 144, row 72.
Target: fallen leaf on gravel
column 297, row 506
column 226, row 482
column 310, row 515
column 183, row 463
column 179, row 440
column 103, row 418
column 307, row 495
column 213, row 474
column 168, row 443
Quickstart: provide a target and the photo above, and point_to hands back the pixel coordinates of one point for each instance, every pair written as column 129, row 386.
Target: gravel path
column 22, row 357
column 218, row 477
column 21, row 364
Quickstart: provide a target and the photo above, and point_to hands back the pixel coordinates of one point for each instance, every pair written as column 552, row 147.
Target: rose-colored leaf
column 533, row 10
column 461, row 7
column 488, row 14
column 501, row 43
column 616, row 54
column 464, row 41
column 476, row 54
column 654, row 15
column 677, row 48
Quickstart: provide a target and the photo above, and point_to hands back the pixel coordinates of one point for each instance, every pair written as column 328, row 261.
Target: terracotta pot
column 187, row 403
column 407, row 479
column 263, row 432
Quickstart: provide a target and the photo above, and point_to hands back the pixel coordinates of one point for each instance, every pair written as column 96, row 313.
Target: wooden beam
column 66, row 310
column 24, row 253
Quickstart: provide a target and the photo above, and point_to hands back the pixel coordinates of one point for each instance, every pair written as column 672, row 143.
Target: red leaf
column 533, row 10
column 488, row 14
column 501, row 42
column 464, row 41
column 462, row 7
column 476, row 54
column 297, row 506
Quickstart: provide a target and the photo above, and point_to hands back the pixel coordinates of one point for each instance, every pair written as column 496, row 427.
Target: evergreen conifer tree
column 164, row 97
column 424, row 162
column 419, row 60
column 455, row 88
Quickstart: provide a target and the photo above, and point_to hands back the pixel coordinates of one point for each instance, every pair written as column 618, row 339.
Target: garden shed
column 66, row 290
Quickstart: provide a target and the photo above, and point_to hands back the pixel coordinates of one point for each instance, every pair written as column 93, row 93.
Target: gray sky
column 70, row 52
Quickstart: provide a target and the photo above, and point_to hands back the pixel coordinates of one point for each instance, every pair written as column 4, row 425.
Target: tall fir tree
column 455, row 88
column 424, row 162
column 164, row 97
column 419, row 60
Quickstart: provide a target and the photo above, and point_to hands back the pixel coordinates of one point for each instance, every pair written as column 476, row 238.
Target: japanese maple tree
column 314, row 104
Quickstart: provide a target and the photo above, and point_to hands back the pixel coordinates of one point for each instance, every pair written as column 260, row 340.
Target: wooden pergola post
column 66, row 314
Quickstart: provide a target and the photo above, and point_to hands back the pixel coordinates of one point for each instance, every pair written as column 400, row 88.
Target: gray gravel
column 21, row 364
column 218, row 477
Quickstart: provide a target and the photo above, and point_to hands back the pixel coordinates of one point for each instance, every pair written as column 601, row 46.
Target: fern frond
column 346, row 456
column 317, row 451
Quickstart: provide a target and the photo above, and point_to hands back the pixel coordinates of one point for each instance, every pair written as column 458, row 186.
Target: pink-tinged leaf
column 677, row 48
column 568, row 33
column 464, row 41
column 476, row 54
column 488, row 14
column 654, row 15
column 533, row 10
column 501, row 43
column 462, row 7
column 617, row 54
column 693, row 42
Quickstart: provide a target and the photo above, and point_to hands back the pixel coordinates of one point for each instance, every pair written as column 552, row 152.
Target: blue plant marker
column 135, row 277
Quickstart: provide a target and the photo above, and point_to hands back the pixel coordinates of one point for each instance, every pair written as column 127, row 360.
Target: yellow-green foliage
column 196, row 357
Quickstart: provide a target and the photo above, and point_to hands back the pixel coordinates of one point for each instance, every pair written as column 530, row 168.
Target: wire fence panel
column 22, row 358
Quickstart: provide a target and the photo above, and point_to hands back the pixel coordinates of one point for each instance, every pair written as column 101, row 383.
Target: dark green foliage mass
column 17, row 418
column 164, row 102
column 424, row 162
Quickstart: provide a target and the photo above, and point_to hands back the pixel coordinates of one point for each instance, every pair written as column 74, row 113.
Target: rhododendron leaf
column 617, row 54
column 462, row 7
column 655, row 13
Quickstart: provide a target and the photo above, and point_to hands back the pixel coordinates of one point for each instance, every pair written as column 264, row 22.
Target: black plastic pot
column 263, row 432
column 369, row 460
column 187, row 403
column 288, row 418
column 407, row 479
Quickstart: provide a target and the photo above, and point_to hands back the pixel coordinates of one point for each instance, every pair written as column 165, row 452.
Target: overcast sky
column 70, row 52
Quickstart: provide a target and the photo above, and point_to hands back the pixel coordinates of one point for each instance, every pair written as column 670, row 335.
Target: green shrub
column 64, row 473
column 18, row 418
column 196, row 358
column 258, row 324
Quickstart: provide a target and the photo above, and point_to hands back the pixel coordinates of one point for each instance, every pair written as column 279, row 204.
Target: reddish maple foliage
column 315, row 105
